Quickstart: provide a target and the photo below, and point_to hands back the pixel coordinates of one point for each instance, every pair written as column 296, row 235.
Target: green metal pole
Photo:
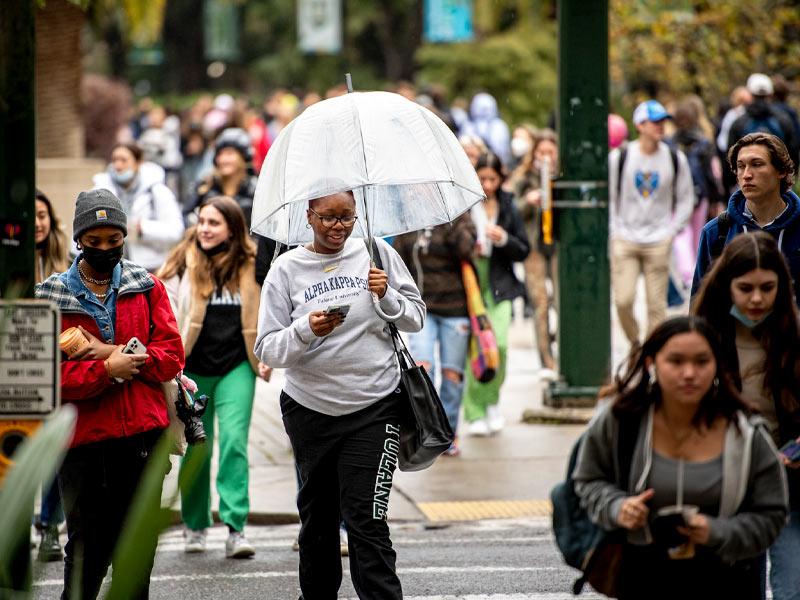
column 580, row 203
column 17, row 148
column 17, row 188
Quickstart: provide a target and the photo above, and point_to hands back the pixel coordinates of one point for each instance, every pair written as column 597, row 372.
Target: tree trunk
column 59, row 118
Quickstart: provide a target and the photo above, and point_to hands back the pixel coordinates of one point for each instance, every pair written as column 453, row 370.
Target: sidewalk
column 508, row 475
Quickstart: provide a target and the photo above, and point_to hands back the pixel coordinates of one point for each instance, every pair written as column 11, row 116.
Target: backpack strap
column 623, row 154
column 723, row 227
column 673, row 154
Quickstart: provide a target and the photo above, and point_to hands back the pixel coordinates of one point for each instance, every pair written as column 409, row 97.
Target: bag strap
column 403, row 355
column 626, row 443
column 723, row 226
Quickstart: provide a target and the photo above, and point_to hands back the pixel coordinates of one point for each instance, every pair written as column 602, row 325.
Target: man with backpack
column 651, row 197
column 763, row 116
column 706, row 169
column 765, row 201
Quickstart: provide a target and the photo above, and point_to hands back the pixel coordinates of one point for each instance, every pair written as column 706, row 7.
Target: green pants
column 231, row 400
column 477, row 395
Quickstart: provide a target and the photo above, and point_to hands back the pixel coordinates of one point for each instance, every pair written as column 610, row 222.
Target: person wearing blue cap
column 651, row 197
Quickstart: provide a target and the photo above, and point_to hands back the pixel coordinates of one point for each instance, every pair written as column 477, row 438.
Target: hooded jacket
column 106, row 409
column 753, row 502
column 785, row 229
column 152, row 204
column 485, row 122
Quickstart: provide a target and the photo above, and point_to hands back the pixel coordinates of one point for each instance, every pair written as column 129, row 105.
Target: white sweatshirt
column 644, row 213
column 353, row 366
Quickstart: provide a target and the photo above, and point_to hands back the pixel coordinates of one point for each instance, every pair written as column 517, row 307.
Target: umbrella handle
column 349, row 82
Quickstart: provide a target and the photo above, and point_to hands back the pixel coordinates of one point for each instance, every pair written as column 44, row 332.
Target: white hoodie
column 151, row 204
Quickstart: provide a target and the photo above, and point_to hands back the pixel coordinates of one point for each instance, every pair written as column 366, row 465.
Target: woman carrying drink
column 705, row 494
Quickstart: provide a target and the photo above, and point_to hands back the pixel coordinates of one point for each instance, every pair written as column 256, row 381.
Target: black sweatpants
column 346, row 465
column 98, row 482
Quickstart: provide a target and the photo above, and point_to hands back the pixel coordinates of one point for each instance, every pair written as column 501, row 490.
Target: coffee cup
column 72, row 341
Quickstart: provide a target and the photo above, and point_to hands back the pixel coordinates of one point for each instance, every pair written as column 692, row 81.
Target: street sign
column 29, row 359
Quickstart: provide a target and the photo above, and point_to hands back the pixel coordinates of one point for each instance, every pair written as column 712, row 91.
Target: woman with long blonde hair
column 210, row 279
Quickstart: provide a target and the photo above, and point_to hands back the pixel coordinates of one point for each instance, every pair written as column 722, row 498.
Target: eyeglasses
column 330, row 220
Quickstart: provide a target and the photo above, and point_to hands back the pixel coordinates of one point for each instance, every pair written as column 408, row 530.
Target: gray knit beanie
column 98, row 208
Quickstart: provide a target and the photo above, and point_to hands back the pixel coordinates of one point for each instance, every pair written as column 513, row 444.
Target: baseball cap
column 650, row 110
column 760, row 84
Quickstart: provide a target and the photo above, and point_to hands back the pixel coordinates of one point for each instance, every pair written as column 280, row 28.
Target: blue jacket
column 785, row 229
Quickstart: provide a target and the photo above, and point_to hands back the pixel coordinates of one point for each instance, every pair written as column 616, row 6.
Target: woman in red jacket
column 121, row 408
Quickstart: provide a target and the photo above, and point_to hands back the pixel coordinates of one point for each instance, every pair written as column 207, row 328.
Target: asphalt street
column 512, row 559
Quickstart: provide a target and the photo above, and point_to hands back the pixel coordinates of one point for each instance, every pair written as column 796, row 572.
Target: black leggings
column 345, row 465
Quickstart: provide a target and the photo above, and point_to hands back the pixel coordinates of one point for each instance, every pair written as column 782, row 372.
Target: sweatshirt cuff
column 613, row 509
column 303, row 328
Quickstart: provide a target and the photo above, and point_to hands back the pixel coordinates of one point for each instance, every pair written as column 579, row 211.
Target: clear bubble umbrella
column 403, row 164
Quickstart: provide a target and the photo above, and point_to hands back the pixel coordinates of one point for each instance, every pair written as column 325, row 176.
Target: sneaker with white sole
column 237, row 546
column 478, row 428
column 494, row 419
column 194, row 541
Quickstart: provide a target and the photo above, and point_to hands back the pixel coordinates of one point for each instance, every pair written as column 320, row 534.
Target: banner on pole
column 448, row 21
column 319, row 26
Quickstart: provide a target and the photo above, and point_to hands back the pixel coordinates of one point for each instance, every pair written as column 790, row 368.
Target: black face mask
column 218, row 249
column 41, row 245
column 102, row 261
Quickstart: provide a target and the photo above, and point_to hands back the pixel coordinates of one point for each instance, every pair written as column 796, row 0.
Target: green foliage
column 518, row 68
column 35, row 461
column 703, row 47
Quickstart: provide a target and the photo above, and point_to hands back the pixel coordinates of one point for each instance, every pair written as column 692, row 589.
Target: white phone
column 134, row 346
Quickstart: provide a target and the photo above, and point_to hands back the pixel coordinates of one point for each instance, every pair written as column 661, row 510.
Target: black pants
column 647, row 572
column 346, row 466
column 98, row 482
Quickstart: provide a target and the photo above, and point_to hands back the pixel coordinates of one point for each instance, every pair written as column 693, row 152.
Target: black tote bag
column 425, row 431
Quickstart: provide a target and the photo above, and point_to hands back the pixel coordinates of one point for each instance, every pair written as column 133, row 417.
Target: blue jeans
column 784, row 556
column 452, row 335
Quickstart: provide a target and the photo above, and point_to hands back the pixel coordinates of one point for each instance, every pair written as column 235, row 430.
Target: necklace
column 325, row 269
column 85, row 277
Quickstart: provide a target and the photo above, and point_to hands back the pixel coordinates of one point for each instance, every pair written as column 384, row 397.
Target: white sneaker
column 478, row 428
column 237, row 546
column 344, row 547
column 194, row 541
column 494, row 419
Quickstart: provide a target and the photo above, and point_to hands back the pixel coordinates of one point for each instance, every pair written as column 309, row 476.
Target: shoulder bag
column 425, row 431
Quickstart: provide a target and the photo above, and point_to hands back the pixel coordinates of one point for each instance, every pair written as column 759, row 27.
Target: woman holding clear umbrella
column 323, row 318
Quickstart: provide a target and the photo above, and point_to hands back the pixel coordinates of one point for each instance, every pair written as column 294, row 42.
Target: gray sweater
column 753, row 502
column 353, row 366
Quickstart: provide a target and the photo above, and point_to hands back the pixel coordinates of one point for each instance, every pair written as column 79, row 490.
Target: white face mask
column 122, row 177
column 520, row 147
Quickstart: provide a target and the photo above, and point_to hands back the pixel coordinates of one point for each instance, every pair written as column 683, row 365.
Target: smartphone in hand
column 343, row 309
column 134, row 346
column 791, row 451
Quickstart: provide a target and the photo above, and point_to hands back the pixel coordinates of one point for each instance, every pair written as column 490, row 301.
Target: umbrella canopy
column 404, row 166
